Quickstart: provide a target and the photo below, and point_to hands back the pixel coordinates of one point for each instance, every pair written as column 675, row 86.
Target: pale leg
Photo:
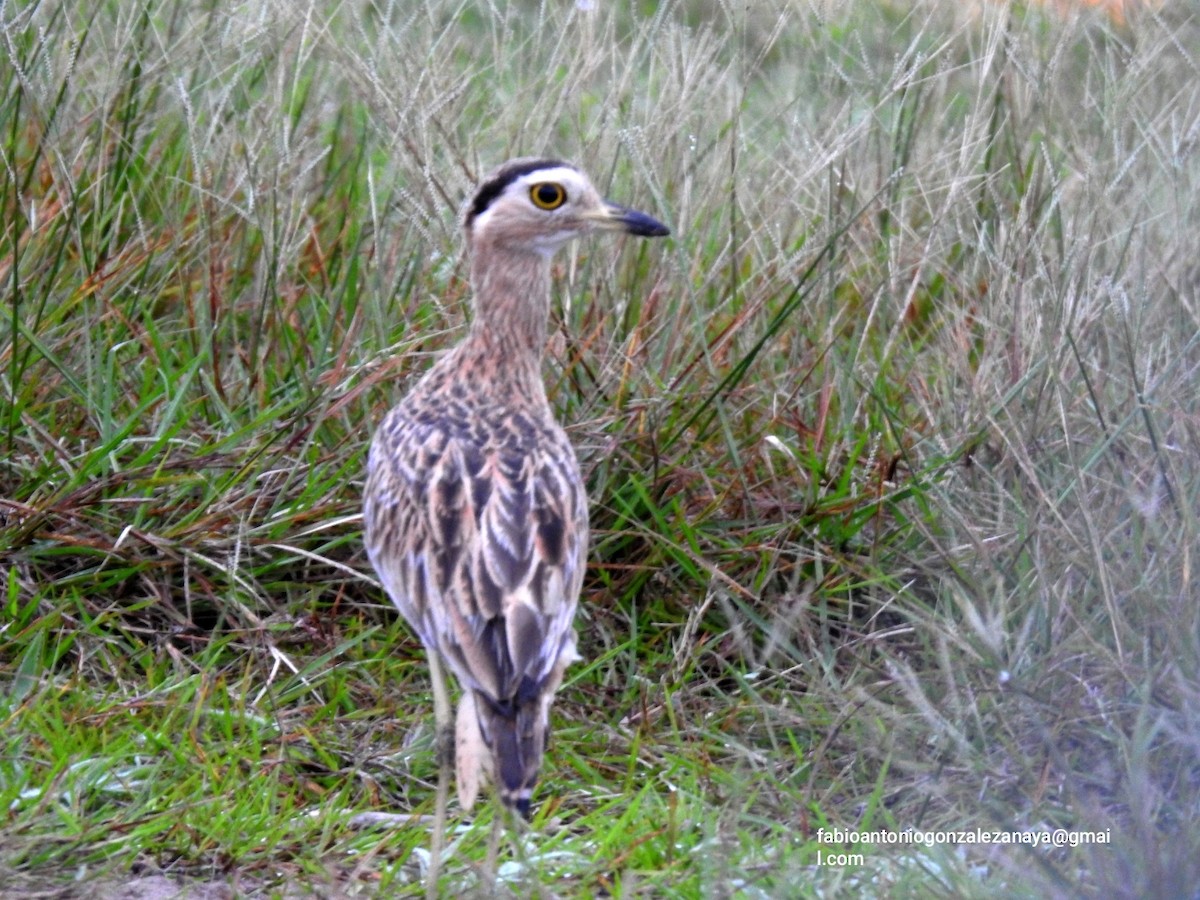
column 493, row 847
column 443, row 716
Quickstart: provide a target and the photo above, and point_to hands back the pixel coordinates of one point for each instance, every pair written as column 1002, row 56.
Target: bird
column 475, row 510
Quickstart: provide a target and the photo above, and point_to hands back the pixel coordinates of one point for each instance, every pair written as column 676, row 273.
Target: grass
column 891, row 448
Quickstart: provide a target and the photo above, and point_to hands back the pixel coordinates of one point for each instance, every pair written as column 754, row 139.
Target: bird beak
column 613, row 217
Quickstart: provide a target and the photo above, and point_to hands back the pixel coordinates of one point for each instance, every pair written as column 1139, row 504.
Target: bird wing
column 481, row 545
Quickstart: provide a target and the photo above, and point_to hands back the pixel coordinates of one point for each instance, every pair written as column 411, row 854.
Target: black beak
column 634, row 222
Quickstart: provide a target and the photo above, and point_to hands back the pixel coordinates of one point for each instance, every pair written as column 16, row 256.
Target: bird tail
column 516, row 734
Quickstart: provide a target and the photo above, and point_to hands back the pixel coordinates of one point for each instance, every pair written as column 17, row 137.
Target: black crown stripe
column 494, row 187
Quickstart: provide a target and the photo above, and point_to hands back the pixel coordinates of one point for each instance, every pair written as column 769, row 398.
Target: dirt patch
column 160, row 887
column 135, row 887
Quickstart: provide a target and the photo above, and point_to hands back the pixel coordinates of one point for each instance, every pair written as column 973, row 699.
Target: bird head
column 541, row 204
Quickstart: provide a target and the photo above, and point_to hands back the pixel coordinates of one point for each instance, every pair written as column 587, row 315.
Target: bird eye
column 547, row 195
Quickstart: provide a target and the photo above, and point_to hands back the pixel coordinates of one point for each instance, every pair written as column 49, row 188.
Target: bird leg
column 493, row 847
column 443, row 716
column 508, row 820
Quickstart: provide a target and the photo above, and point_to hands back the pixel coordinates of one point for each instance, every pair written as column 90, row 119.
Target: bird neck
column 512, row 303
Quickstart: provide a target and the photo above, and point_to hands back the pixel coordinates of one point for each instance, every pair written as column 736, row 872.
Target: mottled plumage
column 475, row 512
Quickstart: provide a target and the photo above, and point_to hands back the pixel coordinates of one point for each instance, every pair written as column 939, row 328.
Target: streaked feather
column 476, row 521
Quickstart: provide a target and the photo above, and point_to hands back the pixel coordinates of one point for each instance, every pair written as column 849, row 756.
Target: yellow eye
column 547, row 195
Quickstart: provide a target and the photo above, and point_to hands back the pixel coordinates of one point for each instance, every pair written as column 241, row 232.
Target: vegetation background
column 894, row 447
